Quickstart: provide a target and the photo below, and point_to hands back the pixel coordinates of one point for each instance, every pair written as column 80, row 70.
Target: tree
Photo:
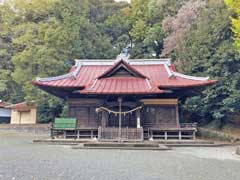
column 144, row 28
column 9, row 90
column 47, row 35
column 178, row 26
column 235, row 6
column 207, row 49
column 144, row 18
column 41, row 38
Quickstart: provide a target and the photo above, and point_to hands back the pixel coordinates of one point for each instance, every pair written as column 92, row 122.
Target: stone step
column 200, row 145
column 168, row 142
column 116, row 144
column 61, row 141
column 153, row 148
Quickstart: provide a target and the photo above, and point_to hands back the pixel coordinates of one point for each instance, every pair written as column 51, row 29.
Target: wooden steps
column 122, row 146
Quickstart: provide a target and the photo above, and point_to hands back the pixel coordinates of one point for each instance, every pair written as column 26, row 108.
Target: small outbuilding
column 5, row 113
column 23, row 113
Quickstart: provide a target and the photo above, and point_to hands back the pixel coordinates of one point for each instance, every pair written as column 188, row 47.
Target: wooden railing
column 126, row 134
column 188, row 125
column 170, row 125
column 170, row 131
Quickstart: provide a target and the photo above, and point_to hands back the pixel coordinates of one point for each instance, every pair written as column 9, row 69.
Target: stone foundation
column 38, row 129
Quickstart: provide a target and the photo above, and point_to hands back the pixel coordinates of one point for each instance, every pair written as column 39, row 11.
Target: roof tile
column 157, row 74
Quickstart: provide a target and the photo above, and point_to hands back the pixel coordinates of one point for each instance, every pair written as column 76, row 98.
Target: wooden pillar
column 165, row 135
column 194, row 135
column 104, row 119
column 177, row 114
column 52, row 134
column 142, row 134
column 138, row 119
column 180, row 135
column 20, row 117
column 91, row 134
column 120, row 119
column 64, row 134
column 99, row 133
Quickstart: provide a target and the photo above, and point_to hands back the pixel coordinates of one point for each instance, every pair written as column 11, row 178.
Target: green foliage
column 235, row 6
column 87, row 28
column 144, row 19
column 208, row 50
column 145, row 32
column 41, row 38
column 36, row 51
column 9, row 90
column 65, row 111
column 4, row 74
column 211, row 134
column 49, row 108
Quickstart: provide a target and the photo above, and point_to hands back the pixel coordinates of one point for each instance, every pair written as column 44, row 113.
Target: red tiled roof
column 159, row 75
column 23, row 106
column 4, row 104
column 125, row 65
column 85, row 77
column 121, row 85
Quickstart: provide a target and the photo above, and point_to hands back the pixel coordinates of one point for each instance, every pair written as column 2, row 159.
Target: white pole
column 138, row 119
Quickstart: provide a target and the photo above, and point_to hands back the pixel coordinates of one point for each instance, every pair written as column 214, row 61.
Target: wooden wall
column 85, row 111
column 156, row 114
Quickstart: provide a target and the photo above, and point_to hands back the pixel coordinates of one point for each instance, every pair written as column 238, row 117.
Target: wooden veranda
column 112, row 134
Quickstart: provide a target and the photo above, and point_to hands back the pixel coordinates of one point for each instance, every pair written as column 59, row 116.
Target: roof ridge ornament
column 124, row 55
column 76, row 71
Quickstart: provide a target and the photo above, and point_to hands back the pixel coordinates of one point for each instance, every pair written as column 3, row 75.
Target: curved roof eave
column 36, row 83
column 72, row 74
column 178, row 86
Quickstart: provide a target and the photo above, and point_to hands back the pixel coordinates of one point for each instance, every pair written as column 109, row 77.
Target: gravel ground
column 20, row 159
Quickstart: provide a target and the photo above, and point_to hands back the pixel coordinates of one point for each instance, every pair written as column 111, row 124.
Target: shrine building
column 131, row 99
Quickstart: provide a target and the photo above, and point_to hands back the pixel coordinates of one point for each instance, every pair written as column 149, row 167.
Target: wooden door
column 128, row 120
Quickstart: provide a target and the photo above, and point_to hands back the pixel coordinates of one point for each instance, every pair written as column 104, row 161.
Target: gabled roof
column 124, row 65
column 154, row 76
